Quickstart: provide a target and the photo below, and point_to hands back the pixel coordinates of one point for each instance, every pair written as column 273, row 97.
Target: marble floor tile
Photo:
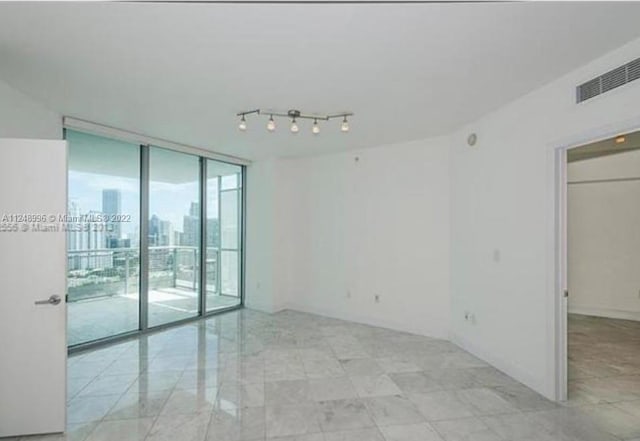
column 393, row 410
column 360, row 367
column 122, row 430
column 74, row 432
column 155, row 381
column 415, row 382
column 199, row 378
column 138, row 405
column 465, row 429
column 246, row 424
column 329, row 389
column 323, row 368
column 410, row 432
column 90, row 408
column 287, row 393
column 485, row 401
column 238, row 395
column 291, row 420
column 393, row 365
column 108, row 385
column 375, row 386
column 523, row 398
column 307, row 437
column 189, row 427
column 443, row 405
column 185, row 401
column 345, row 414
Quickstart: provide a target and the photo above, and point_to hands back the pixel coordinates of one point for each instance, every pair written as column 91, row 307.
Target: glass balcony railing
column 111, row 272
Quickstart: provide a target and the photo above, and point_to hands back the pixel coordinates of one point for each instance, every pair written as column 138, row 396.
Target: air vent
column 608, row 81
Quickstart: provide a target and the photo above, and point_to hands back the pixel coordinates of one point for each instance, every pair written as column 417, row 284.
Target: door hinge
column 566, row 293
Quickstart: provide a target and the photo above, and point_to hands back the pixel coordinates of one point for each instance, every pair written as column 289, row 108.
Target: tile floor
column 290, row 376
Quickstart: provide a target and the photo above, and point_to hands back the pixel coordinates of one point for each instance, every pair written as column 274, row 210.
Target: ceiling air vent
column 610, row 80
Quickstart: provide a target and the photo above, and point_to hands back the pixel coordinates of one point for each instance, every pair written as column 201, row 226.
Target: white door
column 33, row 183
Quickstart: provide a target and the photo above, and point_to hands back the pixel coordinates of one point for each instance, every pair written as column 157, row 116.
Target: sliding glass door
column 174, row 236
column 103, row 222
column 190, row 268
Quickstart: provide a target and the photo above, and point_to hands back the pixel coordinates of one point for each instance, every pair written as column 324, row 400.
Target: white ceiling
column 408, row 71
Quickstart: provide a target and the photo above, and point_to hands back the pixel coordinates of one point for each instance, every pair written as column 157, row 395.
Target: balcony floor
column 102, row 317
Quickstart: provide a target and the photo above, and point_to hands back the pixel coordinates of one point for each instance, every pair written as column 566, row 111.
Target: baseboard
column 605, row 312
column 365, row 320
column 512, row 370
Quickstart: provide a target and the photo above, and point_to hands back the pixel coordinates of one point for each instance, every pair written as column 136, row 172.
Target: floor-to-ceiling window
column 121, row 282
column 224, row 240
column 174, row 236
column 103, row 244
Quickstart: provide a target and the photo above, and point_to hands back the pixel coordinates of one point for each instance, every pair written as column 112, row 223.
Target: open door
column 33, row 196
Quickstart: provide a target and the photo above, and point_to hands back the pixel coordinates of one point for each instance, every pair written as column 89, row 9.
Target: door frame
column 560, row 301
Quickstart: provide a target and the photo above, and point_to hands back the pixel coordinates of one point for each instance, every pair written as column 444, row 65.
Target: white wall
column 503, row 217
column 604, row 236
column 267, row 251
column 366, row 223
column 22, row 117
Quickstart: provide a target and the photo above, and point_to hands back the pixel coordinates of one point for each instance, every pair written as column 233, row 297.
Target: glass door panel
column 174, row 236
column 103, row 254
column 224, row 216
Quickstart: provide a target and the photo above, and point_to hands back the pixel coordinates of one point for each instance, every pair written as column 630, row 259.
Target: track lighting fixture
column 243, row 124
column 271, row 125
column 345, row 124
column 294, row 115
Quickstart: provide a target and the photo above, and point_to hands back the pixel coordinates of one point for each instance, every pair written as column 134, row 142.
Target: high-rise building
column 191, row 226
column 112, row 205
column 86, row 245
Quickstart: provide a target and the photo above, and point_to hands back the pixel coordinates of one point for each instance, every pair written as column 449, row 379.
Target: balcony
column 103, row 289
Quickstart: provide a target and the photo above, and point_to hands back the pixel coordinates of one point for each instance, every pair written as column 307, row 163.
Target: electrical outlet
column 377, row 298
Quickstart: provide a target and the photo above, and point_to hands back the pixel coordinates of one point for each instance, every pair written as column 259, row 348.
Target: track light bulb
column 243, row 124
column 271, row 125
column 345, row 125
column 316, row 127
column 294, row 126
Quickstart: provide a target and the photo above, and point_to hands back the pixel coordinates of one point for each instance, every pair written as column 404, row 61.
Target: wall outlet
column 376, row 298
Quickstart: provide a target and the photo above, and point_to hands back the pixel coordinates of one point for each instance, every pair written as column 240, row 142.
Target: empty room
column 319, row 221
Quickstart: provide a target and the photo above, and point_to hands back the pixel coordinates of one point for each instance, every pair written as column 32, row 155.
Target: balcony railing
column 116, row 271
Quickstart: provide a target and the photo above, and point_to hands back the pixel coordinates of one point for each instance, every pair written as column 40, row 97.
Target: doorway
column 602, row 231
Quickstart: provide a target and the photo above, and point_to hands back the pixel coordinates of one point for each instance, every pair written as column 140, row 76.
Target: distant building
column 160, row 232
column 112, row 205
column 191, row 226
column 87, row 245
